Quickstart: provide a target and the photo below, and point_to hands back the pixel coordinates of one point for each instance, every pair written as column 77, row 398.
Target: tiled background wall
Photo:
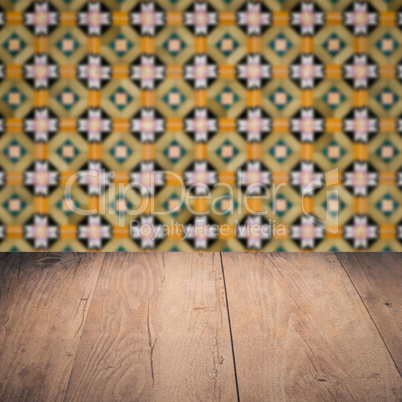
column 223, row 94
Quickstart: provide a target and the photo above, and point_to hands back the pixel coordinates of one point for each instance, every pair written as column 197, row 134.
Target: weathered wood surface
column 301, row 332
column 157, row 327
column 378, row 280
column 44, row 300
column 157, row 330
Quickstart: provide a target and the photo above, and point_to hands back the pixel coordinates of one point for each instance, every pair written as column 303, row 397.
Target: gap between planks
column 230, row 329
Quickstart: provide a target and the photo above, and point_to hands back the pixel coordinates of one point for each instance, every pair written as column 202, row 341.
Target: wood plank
column 378, row 279
column 157, row 329
column 301, row 332
column 43, row 304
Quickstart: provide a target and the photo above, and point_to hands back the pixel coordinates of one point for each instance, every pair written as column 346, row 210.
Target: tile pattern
column 230, row 96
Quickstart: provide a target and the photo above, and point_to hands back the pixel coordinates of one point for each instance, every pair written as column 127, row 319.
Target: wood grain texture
column 43, row 304
column 157, row 330
column 378, row 279
column 300, row 331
